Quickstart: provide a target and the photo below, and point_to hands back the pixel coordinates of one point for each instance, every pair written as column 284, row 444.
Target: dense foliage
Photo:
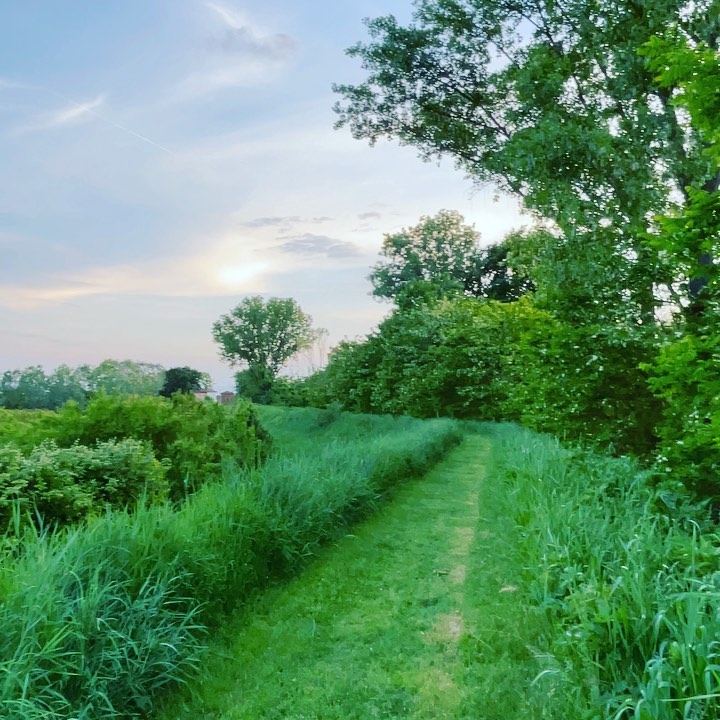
column 440, row 257
column 602, row 117
column 489, row 361
column 553, row 102
column 192, row 437
column 185, row 380
column 62, row 467
column 64, row 485
column 33, row 388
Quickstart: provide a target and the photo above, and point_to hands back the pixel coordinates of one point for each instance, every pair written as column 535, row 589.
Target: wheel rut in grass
column 381, row 626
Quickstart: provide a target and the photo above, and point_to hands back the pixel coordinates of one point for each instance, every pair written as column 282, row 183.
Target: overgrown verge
column 632, row 596
column 98, row 620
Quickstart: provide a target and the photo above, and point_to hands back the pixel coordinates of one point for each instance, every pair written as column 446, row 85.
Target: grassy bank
column 98, row 621
column 631, row 595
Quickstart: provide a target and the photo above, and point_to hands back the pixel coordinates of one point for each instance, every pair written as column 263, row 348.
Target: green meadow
column 371, row 566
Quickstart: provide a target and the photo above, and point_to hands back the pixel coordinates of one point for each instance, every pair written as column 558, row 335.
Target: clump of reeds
column 631, row 593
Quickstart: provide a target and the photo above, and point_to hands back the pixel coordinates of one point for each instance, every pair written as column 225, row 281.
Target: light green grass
column 412, row 615
column 631, row 593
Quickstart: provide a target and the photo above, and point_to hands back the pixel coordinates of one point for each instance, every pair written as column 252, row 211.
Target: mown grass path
column 414, row 615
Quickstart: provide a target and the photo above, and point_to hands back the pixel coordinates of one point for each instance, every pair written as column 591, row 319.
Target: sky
column 160, row 160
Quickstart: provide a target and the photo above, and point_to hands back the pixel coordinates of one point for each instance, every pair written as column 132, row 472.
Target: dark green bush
column 64, row 485
column 289, row 392
column 255, row 384
column 477, row 360
column 586, row 383
column 685, row 377
column 192, row 436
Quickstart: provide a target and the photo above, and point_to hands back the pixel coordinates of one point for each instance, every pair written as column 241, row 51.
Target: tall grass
column 632, row 595
column 99, row 620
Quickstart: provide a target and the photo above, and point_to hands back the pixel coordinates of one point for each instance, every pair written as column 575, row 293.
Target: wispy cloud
column 242, row 37
column 310, row 244
column 72, row 113
column 231, row 17
column 284, row 221
column 241, row 55
column 279, row 220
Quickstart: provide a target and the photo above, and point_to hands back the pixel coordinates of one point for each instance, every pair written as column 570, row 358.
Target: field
column 343, row 577
column 127, row 597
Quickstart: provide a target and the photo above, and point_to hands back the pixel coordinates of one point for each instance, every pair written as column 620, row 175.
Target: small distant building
column 207, row 395
column 225, row 398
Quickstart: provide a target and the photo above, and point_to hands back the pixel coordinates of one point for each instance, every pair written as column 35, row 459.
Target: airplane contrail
column 126, row 129
column 88, row 108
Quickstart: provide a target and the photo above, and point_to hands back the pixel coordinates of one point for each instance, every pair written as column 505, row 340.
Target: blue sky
column 162, row 159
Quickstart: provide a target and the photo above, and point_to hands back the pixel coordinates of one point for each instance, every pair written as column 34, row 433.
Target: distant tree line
column 33, row 388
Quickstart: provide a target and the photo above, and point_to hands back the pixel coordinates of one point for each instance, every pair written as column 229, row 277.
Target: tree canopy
column 441, row 256
column 184, row 380
column 32, row 387
column 263, row 335
column 551, row 100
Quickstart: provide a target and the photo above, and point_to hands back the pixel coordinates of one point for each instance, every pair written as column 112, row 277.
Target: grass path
column 414, row 616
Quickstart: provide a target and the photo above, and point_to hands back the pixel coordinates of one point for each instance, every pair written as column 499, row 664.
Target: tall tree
column 25, row 389
column 183, row 380
column 549, row 99
column 125, row 377
column 691, row 238
column 441, row 256
column 263, row 335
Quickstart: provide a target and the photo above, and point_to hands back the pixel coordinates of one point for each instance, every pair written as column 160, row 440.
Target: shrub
column 193, row 437
column 586, row 383
column 27, row 428
column 64, row 485
column 487, row 360
column 685, row 377
column 289, row 392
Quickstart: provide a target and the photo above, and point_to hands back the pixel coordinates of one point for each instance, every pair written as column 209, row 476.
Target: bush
column 685, row 378
column 64, row 485
column 468, row 359
column 255, row 384
column 27, row 428
column 192, row 437
column 289, row 392
column 586, row 383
